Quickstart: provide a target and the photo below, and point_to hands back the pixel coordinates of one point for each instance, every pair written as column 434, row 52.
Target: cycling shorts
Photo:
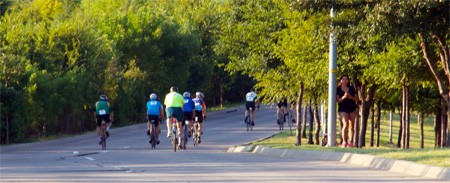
column 175, row 112
column 153, row 117
column 199, row 116
column 188, row 116
column 250, row 104
column 282, row 103
column 100, row 118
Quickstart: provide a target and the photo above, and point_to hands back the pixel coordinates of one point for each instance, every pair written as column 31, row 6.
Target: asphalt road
column 129, row 158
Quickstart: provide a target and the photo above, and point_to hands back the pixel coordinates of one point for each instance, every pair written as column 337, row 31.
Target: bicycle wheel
column 185, row 137
column 153, row 136
column 195, row 134
column 103, row 135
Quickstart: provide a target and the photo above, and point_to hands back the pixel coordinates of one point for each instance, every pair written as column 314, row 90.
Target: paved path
column 129, row 158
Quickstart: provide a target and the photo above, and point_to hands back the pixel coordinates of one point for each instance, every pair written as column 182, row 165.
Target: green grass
column 428, row 155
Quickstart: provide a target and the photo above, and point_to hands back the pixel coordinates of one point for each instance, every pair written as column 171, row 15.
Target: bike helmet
column 186, row 94
column 153, row 96
column 173, row 89
column 199, row 94
column 103, row 97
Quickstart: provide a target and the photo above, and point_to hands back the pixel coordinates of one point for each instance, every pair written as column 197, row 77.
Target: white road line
column 89, row 158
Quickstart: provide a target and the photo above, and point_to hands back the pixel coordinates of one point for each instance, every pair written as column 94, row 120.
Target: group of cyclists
column 180, row 108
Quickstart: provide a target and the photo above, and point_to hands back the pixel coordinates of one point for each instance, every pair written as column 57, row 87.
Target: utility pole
column 332, row 86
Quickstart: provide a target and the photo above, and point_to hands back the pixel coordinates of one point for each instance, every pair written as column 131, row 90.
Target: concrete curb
column 369, row 161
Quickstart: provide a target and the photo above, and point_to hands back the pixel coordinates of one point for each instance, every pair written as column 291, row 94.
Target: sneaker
column 344, row 144
column 199, row 140
column 350, row 145
column 169, row 135
column 107, row 134
column 99, row 142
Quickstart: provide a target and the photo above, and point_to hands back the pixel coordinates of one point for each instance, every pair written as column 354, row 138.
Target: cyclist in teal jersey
column 174, row 109
column 103, row 112
column 155, row 112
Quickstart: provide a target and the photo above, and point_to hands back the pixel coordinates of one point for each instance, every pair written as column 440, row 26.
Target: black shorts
column 100, row 118
column 188, row 116
column 153, row 117
column 199, row 116
column 282, row 103
column 250, row 104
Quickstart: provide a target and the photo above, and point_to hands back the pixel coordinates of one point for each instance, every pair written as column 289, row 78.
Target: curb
column 369, row 161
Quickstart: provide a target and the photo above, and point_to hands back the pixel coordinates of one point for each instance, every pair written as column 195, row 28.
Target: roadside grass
column 428, row 155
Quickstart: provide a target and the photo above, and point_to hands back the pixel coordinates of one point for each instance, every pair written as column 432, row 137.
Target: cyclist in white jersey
column 250, row 100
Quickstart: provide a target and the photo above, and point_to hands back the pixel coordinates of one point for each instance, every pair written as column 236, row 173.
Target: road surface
column 129, row 158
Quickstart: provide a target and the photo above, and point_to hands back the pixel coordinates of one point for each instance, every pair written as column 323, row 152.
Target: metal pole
column 332, row 88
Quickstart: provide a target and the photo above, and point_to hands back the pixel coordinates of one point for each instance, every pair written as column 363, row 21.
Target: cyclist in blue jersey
column 188, row 109
column 250, row 100
column 200, row 112
column 155, row 111
column 103, row 112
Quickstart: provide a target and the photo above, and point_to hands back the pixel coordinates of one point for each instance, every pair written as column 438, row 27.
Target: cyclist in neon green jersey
column 174, row 109
column 103, row 112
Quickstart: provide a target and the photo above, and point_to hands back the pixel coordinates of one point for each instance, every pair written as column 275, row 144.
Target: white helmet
column 199, row 94
column 103, row 97
column 153, row 96
column 186, row 94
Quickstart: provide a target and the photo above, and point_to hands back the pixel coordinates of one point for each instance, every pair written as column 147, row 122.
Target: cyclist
column 174, row 109
column 188, row 110
column 200, row 112
column 103, row 112
column 155, row 112
column 282, row 105
column 250, row 99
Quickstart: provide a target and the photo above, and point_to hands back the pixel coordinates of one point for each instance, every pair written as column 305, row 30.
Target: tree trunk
column 421, row 116
column 316, row 118
column 400, row 130
column 445, row 65
column 408, row 118
column 356, row 126
column 311, row 120
column 366, row 104
column 299, row 112
column 437, row 128
column 390, row 127
column 444, row 127
column 378, row 123
column 372, row 128
column 305, row 112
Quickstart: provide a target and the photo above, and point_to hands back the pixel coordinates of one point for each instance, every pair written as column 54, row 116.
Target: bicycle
column 248, row 120
column 174, row 135
column 185, row 134
column 103, row 138
column 153, row 134
column 195, row 132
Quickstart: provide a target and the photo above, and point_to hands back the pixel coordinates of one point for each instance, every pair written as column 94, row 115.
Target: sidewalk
column 369, row 161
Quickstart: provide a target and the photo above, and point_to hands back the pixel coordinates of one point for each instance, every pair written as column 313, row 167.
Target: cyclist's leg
column 158, row 126
column 180, row 131
column 278, row 113
column 253, row 113
column 169, row 126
